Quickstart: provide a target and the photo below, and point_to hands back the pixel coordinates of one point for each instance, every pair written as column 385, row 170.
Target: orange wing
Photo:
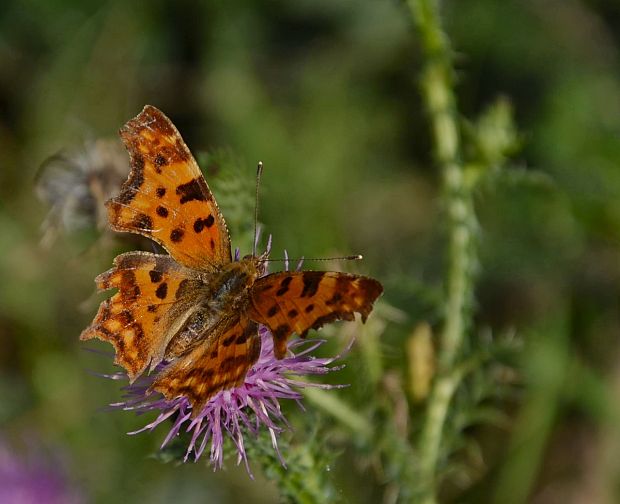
column 155, row 296
column 216, row 364
column 288, row 301
column 166, row 197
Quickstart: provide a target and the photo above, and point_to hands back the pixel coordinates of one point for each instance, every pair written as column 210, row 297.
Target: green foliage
column 230, row 180
column 306, row 478
column 518, row 149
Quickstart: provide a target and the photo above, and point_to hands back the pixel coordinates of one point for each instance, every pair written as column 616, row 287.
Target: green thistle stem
column 437, row 89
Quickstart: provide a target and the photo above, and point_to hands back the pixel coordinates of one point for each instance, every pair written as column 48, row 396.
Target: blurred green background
column 324, row 93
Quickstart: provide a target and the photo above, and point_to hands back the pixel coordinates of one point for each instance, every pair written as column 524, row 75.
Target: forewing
column 154, row 296
column 166, row 197
column 298, row 301
column 212, row 366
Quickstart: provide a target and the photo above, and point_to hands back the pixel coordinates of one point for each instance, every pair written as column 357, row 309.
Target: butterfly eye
column 247, row 256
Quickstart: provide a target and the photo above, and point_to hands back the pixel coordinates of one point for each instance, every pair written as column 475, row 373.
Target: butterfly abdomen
column 197, row 327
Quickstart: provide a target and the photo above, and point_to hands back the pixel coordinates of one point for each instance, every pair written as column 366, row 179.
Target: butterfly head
column 258, row 262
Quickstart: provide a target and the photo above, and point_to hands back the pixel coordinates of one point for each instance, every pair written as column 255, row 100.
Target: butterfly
column 195, row 310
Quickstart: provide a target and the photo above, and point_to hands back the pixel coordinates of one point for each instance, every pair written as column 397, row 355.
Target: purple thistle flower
column 33, row 478
column 234, row 412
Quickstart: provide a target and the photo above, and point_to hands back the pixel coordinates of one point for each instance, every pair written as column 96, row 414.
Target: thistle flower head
column 236, row 412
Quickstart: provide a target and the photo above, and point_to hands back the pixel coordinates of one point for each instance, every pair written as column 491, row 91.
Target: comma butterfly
column 196, row 309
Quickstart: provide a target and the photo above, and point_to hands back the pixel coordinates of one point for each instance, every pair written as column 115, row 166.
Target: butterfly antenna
column 259, row 172
column 356, row 257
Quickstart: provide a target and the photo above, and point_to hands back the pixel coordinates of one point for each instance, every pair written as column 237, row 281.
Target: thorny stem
column 436, row 84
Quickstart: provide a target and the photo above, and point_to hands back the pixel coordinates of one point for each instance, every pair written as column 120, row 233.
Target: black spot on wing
column 241, row 339
column 162, row 291
column 156, row 276
column 194, row 190
column 160, row 161
column 198, row 225
column 311, row 280
column 176, row 235
column 226, row 342
column 284, row 286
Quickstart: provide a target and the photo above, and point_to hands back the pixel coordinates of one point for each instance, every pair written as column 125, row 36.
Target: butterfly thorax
column 219, row 298
column 233, row 281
